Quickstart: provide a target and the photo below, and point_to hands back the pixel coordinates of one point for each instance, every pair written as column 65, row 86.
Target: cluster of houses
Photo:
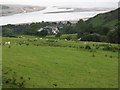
column 50, row 29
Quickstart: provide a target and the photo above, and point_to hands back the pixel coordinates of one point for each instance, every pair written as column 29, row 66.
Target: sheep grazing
column 85, row 42
column 7, row 43
column 79, row 39
column 20, row 37
column 40, row 38
column 65, row 39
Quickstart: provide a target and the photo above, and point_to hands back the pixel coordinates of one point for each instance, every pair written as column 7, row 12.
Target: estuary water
column 39, row 16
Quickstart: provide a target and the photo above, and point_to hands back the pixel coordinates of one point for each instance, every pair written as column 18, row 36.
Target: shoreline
column 27, row 9
column 65, row 21
column 8, row 10
column 72, row 21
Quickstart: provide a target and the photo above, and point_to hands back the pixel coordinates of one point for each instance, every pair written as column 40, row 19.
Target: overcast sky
column 59, row 0
column 96, row 3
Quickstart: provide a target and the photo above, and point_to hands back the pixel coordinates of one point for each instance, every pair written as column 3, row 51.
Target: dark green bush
column 87, row 47
column 111, row 48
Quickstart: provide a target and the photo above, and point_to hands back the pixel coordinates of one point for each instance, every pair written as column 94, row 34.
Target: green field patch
column 61, row 66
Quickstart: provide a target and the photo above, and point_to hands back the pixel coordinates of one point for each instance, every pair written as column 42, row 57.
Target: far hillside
column 109, row 19
column 101, row 28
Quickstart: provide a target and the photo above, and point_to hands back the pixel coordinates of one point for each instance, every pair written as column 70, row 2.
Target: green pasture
column 32, row 62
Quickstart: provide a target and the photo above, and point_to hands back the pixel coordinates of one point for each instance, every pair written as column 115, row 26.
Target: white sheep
column 79, row 39
column 7, row 43
column 85, row 42
column 65, row 39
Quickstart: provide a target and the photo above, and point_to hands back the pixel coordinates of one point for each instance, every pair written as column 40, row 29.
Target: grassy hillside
column 108, row 19
column 57, row 62
column 32, row 62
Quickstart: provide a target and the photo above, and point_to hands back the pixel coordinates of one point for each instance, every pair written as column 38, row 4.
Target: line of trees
column 25, row 29
column 87, row 32
column 90, row 30
column 84, row 31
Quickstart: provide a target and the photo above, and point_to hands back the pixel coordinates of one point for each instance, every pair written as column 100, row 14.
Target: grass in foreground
column 58, row 67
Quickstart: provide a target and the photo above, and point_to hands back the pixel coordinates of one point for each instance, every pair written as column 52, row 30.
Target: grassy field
column 0, row 64
column 33, row 62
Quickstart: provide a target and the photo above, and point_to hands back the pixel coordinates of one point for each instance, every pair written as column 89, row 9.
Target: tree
column 7, row 32
column 69, row 23
column 102, row 30
column 68, row 29
column 91, row 37
column 89, row 28
column 42, row 33
column 81, row 26
column 103, row 38
column 79, row 35
column 113, row 36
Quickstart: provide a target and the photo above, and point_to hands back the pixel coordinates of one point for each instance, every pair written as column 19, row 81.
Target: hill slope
column 109, row 19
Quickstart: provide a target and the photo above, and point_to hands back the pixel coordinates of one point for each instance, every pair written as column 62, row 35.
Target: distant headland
column 16, row 9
